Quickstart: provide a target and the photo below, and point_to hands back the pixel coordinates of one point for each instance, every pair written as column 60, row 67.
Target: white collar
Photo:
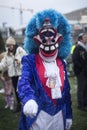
column 82, row 45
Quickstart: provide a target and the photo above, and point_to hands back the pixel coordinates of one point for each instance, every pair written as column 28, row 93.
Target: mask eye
column 53, row 40
column 44, row 41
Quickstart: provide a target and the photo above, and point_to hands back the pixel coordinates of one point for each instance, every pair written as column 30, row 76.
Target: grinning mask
column 48, row 40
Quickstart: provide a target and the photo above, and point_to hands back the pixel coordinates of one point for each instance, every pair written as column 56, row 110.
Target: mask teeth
column 46, row 48
column 56, row 45
column 42, row 46
column 52, row 48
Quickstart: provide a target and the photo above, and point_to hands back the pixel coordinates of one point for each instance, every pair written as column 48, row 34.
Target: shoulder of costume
column 29, row 58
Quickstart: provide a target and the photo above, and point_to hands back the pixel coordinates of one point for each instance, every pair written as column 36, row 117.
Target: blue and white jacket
column 30, row 86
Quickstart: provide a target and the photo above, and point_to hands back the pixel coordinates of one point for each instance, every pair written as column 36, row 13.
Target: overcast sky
column 12, row 17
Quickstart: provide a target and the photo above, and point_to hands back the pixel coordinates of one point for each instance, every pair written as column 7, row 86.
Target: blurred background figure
column 12, row 63
column 73, row 47
column 79, row 58
column 8, row 90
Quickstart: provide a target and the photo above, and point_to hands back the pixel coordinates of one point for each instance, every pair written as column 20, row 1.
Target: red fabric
column 61, row 69
column 41, row 71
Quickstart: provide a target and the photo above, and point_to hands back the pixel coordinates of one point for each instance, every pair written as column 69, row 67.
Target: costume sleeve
column 25, row 82
column 68, row 101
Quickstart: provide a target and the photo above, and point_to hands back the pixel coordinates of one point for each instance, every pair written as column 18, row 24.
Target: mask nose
column 48, row 41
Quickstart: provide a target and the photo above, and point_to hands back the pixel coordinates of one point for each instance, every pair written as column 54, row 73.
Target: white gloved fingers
column 33, row 111
column 68, row 124
column 30, row 108
column 25, row 111
column 35, row 108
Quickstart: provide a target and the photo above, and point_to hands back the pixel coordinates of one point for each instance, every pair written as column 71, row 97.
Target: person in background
column 73, row 47
column 79, row 59
column 8, row 90
column 12, row 63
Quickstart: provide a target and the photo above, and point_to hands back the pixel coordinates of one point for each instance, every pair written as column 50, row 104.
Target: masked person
column 44, row 88
column 12, row 63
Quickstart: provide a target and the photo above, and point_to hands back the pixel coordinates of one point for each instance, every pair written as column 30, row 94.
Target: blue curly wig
column 58, row 21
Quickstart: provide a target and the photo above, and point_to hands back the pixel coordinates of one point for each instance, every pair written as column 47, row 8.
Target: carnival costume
column 44, row 88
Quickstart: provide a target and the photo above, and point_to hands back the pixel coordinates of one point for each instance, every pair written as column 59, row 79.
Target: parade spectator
column 79, row 58
column 12, row 63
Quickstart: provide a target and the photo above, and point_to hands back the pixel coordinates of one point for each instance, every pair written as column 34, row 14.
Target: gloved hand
column 30, row 108
column 68, row 124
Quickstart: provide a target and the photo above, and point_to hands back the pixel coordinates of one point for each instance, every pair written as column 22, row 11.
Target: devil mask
column 48, row 40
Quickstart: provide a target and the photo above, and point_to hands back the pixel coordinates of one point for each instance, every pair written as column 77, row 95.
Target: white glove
column 68, row 124
column 30, row 108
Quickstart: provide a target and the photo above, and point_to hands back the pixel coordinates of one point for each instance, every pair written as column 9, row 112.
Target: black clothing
column 79, row 58
column 15, row 82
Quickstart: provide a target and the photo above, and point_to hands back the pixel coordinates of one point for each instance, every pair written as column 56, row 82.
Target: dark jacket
column 79, row 59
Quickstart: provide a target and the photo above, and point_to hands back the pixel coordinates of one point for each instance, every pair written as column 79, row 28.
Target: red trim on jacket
column 41, row 71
